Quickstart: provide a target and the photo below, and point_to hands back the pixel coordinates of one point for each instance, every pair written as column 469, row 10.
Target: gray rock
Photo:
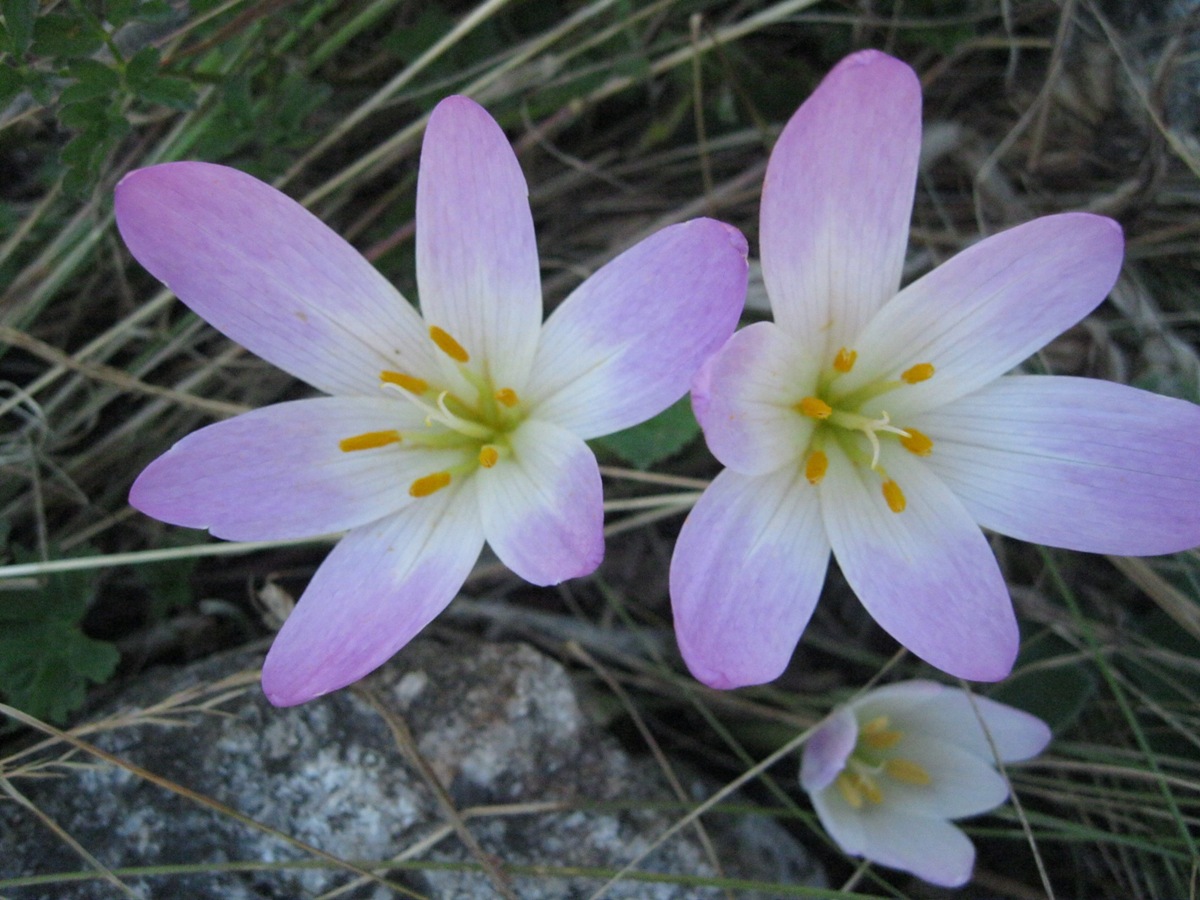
column 499, row 724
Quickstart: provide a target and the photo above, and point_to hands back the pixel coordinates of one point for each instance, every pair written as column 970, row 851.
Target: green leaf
column 118, row 12
column 176, row 93
column 92, row 79
column 11, row 84
column 1049, row 682
column 45, row 667
column 142, row 67
column 46, row 661
column 644, row 445
column 19, row 16
column 65, row 37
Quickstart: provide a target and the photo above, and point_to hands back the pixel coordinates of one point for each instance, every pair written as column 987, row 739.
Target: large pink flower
column 463, row 424
column 877, row 425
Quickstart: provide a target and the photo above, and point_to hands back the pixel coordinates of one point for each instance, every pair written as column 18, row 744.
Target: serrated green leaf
column 45, row 660
column 644, row 445
column 65, row 37
column 45, row 667
column 19, row 17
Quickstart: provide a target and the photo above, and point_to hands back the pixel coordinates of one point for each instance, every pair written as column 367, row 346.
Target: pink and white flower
column 461, row 424
column 888, row 771
column 876, row 423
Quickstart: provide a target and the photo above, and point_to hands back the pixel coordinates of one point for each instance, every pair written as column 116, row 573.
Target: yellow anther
column 368, row 441
column 845, row 360
column 429, row 484
column 919, row 372
column 816, row 466
column 814, row 408
column 870, row 789
column 907, row 771
column 917, row 442
column 876, row 734
column 409, row 382
column 882, row 740
column 448, row 345
column 894, row 496
column 847, row 786
column 488, row 456
column 507, row 397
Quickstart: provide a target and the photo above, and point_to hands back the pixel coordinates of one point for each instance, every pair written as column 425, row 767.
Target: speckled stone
column 497, row 723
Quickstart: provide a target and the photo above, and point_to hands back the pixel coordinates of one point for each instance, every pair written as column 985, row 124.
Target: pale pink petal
column 925, row 574
column 987, row 309
column 928, row 847
column 477, row 259
column 625, row 344
column 745, row 576
column 380, row 586
column 744, row 396
column 961, row 783
column 948, row 714
column 543, row 505
column 277, row 473
column 826, row 752
column 837, row 199
column 1073, row 462
column 270, row 275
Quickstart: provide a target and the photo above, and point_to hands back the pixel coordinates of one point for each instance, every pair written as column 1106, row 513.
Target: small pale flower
column 461, row 424
column 888, row 771
column 876, row 423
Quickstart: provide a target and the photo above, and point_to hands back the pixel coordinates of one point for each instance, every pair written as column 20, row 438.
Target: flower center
column 840, row 422
column 871, row 764
column 474, row 427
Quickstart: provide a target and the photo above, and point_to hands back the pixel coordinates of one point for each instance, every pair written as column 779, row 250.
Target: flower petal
column 1073, row 462
column 543, row 506
column 928, row 847
column 961, row 783
column 925, row 574
column 948, row 714
column 380, row 586
column 277, row 473
column 477, row 259
column 625, row 344
column 270, row 275
column 826, row 752
column 837, row 200
column 988, row 308
column 744, row 396
column 745, row 576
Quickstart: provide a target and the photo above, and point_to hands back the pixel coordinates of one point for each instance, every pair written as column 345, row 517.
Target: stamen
column 369, row 440
column 918, row 373
column 448, row 345
column 907, row 771
column 488, row 456
column 814, row 408
column 845, row 360
column 816, row 467
column 507, row 397
column 429, row 484
column 458, row 423
column 894, row 496
column 847, row 786
column 883, row 739
column 917, row 442
column 409, row 382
